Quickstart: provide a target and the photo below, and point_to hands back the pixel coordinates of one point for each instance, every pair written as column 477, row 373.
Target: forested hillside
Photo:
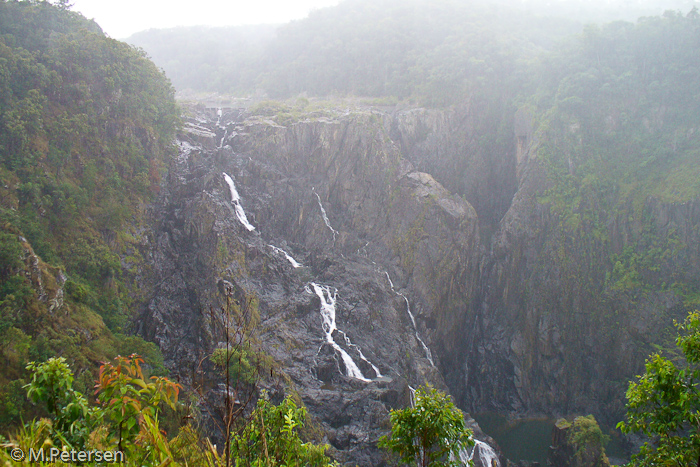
column 86, row 125
column 430, row 51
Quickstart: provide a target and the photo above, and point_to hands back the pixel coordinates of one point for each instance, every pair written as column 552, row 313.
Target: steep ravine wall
column 558, row 331
column 552, row 328
column 386, row 224
column 523, row 313
column 424, row 236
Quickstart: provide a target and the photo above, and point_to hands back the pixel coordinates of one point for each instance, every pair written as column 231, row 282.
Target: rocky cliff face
column 444, row 258
column 567, row 312
column 335, row 217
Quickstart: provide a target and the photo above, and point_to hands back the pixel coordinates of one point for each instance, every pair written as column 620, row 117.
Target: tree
column 64, row 4
column 52, row 383
column 128, row 400
column 271, row 438
column 240, row 362
column 431, row 433
column 580, row 443
column 664, row 403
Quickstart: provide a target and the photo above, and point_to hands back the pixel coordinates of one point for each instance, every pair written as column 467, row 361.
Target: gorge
column 484, row 318
column 515, row 222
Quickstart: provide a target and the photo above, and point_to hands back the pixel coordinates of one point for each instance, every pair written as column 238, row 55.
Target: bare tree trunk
column 228, row 387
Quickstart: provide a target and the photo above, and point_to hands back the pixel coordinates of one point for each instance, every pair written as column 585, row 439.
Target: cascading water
column 328, row 300
column 219, row 115
column 487, row 456
column 324, row 215
column 223, row 138
column 295, row 264
column 236, row 200
column 359, row 352
column 428, row 353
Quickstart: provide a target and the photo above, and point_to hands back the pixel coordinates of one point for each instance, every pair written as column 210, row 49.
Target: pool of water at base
column 529, row 439
column 525, row 439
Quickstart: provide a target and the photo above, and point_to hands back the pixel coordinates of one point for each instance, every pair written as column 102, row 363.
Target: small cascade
column 329, row 325
column 363, row 248
column 359, row 352
column 236, row 200
column 323, row 213
column 413, row 396
column 219, row 116
column 487, row 456
column 223, row 138
column 428, row 353
column 295, row 264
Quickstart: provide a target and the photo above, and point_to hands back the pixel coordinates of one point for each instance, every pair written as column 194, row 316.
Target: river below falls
column 529, row 439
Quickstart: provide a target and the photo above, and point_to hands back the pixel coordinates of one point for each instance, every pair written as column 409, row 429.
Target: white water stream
column 324, row 215
column 428, row 353
column 295, row 264
column 220, row 114
column 487, row 455
column 236, row 200
column 223, row 138
column 328, row 300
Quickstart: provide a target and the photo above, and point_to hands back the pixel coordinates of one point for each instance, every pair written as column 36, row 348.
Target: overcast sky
column 121, row 18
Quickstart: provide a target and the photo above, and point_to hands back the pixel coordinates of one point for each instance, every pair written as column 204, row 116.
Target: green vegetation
column 663, row 404
column 128, row 410
column 244, row 366
column 127, row 420
column 430, row 51
column 583, row 443
column 430, row 433
column 589, row 442
column 52, row 384
column 86, row 126
column 126, row 397
column 272, row 439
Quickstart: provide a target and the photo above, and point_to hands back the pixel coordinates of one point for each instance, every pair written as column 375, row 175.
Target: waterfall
column 428, row 353
column 295, row 264
column 487, row 456
column 328, row 314
column 221, row 144
column 363, row 248
column 236, row 200
column 324, row 215
column 359, row 352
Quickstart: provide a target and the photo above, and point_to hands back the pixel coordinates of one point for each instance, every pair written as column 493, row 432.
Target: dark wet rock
column 518, row 315
column 383, row 217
